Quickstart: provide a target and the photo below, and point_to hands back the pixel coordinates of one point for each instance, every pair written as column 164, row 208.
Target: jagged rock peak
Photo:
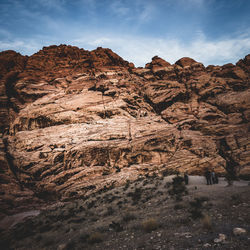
column 98, row 57
column 11, row 61
column 61, row 60
column 61, row 50
column 244, row 63
column 246, row 60
column 157, row 61
column 8, row 52
column 185, row 61
column 106, row 57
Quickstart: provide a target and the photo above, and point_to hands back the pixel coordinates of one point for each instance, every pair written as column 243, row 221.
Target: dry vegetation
column 150, row 213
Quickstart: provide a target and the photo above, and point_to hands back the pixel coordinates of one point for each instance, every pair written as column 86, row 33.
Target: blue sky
column 210, row 31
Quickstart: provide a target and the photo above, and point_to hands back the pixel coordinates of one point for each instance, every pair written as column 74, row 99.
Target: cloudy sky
column 210, row 31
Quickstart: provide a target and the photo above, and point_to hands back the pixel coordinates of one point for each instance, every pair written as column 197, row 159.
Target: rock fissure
column 11, row 166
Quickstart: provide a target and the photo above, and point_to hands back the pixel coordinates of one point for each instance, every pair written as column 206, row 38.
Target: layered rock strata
column 74, row 121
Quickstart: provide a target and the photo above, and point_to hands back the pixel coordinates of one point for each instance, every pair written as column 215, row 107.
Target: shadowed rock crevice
column 10, row 160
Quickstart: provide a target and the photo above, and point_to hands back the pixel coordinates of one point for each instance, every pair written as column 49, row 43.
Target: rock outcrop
column 74, row 121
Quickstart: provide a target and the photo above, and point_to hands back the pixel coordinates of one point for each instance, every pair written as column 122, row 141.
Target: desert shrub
column 206, row 222
column 178, row 206
column 116, row 226
column 184, row 221
column 196, row 208
column 203, row 198
column 90, row 204
column 236, row 199
column 48, row 242
column 160, row 193
column 81, row 208
column 126, row 185
column 167, row 185
column 178, row 188
column 119, row 203
column 95, row 237
column 109, row 211
column 195, row 213
column 112, row 198
column 197, row 203
column 84, row 237
column 128, row 217
column 94, row 218
column 150, row 225
column 71, row 245
column 102, row 229
column 147, row 198
column 38, row 237
column 178, row 197
column 136, row 195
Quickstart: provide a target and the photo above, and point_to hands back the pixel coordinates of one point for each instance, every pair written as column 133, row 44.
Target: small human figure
column 216, row 179
column 208, row 176
column 186, row 178
column 213, row 177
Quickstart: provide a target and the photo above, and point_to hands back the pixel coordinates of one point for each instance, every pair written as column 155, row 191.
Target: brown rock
column 157, row 62
column 71, row 118
column 185, row 61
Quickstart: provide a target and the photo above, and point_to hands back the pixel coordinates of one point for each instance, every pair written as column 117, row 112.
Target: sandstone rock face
column 74, row 121
column 185, row 62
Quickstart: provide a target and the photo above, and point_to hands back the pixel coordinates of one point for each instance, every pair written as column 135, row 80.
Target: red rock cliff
column 74, row 121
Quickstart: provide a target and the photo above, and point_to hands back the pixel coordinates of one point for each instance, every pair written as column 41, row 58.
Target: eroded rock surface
column 74, row 121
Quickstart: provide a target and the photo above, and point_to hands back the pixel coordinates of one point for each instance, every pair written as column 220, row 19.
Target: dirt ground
column 150, row 213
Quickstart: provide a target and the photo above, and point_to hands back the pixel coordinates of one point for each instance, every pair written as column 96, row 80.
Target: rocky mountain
column 74, row 122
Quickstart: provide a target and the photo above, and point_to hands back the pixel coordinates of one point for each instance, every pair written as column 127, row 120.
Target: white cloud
column 119, row 8
column 22, row 46
column 146, row 13
column 52, row 4
column 139, row 11
column 102, row 40
column 140, row 50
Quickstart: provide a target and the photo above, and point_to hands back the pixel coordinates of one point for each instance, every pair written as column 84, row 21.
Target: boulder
column 237, row 231
column 185, row 61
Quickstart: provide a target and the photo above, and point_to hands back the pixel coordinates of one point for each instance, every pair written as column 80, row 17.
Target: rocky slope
column 149, row 213
column 75, row 121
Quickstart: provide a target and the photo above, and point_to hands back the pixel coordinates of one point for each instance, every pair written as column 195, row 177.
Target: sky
column 210, row 31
